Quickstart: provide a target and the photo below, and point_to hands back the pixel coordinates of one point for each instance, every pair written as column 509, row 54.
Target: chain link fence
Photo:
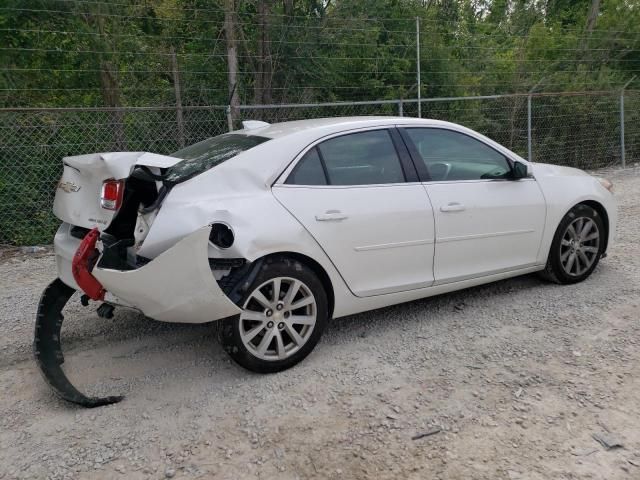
column 632, row 127
column 581, row 130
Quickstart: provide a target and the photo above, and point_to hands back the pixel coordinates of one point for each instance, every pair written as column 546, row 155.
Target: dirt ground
column 515, row 377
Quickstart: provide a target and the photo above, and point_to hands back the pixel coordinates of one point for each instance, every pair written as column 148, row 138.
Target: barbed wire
column 342, row 72
column 347, row 29
column 407, row 46
column 321, row 27
column 356, row 19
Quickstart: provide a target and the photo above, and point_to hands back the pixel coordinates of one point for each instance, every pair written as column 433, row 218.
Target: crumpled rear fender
column 177, row 286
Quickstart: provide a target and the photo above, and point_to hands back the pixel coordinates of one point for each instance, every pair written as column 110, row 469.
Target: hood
column 548, row 170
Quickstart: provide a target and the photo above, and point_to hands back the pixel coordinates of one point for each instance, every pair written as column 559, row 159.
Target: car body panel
column 363, row 304
column 261, row 225
column 77, row 199
column 485, row 226
column 380, row 237
column 565, row 187
column 65, row 247
column 178, row 286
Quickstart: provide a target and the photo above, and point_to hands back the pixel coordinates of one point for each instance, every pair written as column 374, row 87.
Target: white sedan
column 275, row 229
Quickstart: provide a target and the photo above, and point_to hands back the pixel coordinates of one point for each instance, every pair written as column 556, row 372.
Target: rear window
column 208, row 153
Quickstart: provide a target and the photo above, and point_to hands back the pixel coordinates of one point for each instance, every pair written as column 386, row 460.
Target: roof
column 277, row 130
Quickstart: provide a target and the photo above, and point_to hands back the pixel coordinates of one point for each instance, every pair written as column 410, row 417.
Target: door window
column 451, row 156
column 308, row 171
column 364, row 158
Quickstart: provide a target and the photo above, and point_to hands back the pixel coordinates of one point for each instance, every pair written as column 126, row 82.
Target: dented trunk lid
column 77, row 198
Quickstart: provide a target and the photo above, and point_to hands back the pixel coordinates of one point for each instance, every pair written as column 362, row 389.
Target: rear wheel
column 283, row 315
column 577, row 246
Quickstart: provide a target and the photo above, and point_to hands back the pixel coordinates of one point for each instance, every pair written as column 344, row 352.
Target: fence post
column 229, row 118
column 176, row 88
column 622, row 148
column 400, row 108
column 418, row 65
column 530, row 155
column 622, row 152
column 529, row 129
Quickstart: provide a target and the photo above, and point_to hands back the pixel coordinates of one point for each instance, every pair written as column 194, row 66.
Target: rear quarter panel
column 261, row 225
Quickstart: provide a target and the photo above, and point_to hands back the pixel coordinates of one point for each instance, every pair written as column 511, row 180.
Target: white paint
column 382, row 246
column 483, row 235
column 378, row 215
column 65, row 247
column 178, row 286
column 492, row 208
column 253, row 124
column 88, row 172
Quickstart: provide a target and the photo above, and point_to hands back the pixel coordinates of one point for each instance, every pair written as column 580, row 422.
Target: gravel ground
column 515, row 377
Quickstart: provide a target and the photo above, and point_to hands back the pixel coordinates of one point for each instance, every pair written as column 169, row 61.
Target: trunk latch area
column 82, row 264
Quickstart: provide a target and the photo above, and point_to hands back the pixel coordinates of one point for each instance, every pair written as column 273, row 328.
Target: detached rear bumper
column 177, row 286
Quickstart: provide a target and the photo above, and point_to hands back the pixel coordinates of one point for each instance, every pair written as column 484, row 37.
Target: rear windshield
column 208, row 153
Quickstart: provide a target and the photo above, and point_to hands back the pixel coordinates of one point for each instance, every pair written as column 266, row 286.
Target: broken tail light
column 112, row 194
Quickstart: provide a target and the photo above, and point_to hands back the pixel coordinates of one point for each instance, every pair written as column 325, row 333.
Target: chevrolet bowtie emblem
column 68, row 187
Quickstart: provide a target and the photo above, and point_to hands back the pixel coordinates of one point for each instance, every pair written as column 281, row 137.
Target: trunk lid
column 77, row 198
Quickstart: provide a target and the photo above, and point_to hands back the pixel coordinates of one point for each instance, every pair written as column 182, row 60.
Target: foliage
column 54, row 51
column 98, row 53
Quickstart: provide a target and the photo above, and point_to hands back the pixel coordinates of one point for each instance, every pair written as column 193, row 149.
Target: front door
column 485, row 222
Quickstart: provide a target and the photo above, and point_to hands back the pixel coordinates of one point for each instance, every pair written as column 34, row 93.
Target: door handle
column 331, row 215
column 452, row 207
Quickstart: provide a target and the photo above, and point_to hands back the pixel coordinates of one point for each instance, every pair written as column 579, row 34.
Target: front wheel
column 577, row 246
column 283, row 315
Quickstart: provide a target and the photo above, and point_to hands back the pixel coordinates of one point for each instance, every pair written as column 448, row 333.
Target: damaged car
column 273, row 230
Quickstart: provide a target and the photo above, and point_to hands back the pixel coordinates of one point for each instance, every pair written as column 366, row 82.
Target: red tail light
column 112, row 194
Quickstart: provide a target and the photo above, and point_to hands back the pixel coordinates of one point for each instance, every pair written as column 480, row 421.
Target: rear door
column 486, row 223
column 359, row 196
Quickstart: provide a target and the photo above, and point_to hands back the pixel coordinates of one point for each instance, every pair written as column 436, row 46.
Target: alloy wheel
column 579, row 246
column 278, row 318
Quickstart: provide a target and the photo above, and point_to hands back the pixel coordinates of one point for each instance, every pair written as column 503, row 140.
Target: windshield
column 205, row 155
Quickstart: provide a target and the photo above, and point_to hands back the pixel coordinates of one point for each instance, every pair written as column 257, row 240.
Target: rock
column 169, row 473
column 607, row 441
column 33, row 249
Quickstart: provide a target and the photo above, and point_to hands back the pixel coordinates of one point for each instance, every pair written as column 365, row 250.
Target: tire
column 581, row 235
column 264, row 338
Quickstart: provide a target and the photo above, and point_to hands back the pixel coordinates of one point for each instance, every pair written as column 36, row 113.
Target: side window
column 308, row 171
column 451, row 156
column 365, row 158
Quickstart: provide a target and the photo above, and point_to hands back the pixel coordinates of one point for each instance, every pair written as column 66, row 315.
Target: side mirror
column 519, row 170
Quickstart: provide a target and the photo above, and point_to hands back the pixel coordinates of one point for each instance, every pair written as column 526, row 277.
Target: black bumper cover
column 47, row 349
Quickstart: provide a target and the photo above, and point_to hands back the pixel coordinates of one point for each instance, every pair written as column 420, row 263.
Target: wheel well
column 317, row 269
column 605, row 218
